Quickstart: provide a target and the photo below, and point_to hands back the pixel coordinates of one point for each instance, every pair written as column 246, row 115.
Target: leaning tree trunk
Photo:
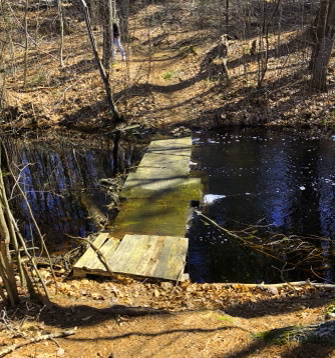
column 103, row 74
column 323, row 39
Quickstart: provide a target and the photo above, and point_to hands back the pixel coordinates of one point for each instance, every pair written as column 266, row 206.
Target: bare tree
column 11, row 244
column 107, row 24
column 323, row 39
column 103, row 74
column 25, row 45
column 61, row 25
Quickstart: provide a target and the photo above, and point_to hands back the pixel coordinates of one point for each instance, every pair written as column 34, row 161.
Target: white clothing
column 117, row 43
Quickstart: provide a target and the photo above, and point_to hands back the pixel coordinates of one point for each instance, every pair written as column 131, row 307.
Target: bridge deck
column 147, row 239
column 159, row 257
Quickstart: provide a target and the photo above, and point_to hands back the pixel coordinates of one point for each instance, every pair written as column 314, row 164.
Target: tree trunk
column 107, row 23
column 25, row 71
column 61, row 23
column 93, row 7
column 123, row 6
column 103, row 74
column 323, row 40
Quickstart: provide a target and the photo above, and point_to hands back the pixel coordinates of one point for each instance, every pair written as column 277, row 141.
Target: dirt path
column 141, row 320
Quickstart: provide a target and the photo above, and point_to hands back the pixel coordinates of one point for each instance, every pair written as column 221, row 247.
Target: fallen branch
column 100, row 255
column 285, row 284
column 44, row 337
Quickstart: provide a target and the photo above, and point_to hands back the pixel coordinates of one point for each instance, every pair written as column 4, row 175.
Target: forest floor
column 128, row 318
column 172, row 79
column 169, row 84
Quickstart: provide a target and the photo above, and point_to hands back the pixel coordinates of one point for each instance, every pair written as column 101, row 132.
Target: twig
column 100, row 255
column 24, row 196
column 318, row 276
column 282, row 275
column 232, row 235
column 44, row 337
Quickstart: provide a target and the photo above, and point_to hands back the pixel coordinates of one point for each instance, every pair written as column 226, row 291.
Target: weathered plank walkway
column 148, row 234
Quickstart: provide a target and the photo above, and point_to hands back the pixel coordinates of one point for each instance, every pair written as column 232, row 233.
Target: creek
column 266, row 182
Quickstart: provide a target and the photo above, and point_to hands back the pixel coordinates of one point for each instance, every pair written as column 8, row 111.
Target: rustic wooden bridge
column 148, row 236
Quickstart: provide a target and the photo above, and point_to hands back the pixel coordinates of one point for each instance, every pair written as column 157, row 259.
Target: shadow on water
column 283, row 180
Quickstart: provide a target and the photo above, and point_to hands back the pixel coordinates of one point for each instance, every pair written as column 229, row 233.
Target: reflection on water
column 280, row 179
column 54, row 177
column 284, row 180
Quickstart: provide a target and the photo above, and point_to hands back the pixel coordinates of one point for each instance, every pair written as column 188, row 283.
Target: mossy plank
column 164, row 166
column 157, row 216
column 148, row 232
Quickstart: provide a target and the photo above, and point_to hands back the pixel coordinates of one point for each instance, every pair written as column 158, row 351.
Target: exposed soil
column 137, row 319
column 169, row 84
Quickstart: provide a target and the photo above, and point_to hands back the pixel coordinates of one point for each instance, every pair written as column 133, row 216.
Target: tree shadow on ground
column 160, row 333
column 310, row 350
column 205, row 17
column 278, row 306
column 83, row 315
column 292, row 349
column 295, row 44
column 80, row 118
column 252, row 106
column 302, row 350
column 208, row 69
column 281, row 306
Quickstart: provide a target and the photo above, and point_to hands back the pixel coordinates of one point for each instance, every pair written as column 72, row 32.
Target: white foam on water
column 210, row 198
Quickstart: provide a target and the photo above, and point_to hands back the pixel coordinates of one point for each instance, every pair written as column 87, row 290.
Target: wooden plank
column 161, row 257
column 89, row 253
column 172, row 259
column 177, row 261
column 106, row 249
column 159, row 193
column 165, row 165
column 150, row 256
column 128, row 256
column 146, row 260
column 151, row 262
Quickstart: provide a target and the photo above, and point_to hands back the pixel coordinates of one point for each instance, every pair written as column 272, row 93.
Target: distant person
column 117, row 42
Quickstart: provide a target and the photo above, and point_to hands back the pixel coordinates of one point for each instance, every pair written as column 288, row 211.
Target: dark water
column 55, row 177
column 284, row 182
